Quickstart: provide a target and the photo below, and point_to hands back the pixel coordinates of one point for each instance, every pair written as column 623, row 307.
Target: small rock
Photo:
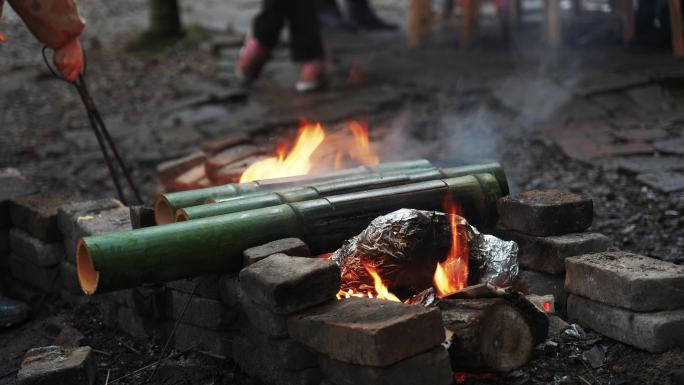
column 575, row 331
column 595, row 357
column 69, row 337
column 12, row 312
column 54, row 365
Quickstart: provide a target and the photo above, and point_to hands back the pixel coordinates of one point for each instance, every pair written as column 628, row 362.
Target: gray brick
column 146, row 301
column 293, row 247
column 37, row 215
column 102, row 222
column 547, row 254
column 189, row 337
column 4, row 240
column 54, row 365
column 12, row 186
column 432, row 367
column 626, row 280
column 136, row 325
column 368, row 331
column 258, row 365
column 268, row 322
column 286, row 352
column 43, row 278
column 229, row 284
column 69, row 278
column 653, row 331
column 68, row 218
column 287, row 284
column 33, row 249
column 534, row 282
column 201, row 312
column 206, row 286
column 546, row 212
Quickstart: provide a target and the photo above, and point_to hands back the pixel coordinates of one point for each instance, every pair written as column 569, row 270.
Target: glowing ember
column 297, row 162
column 461, row 377
column 452, row 274
column 547, row 306
column 2, row 37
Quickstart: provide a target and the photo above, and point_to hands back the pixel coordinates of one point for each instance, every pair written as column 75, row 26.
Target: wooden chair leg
column 677, row 27
column 552, row 23
column 626, row 13
column 515, row 12
column 420, row 14
column 471, row 15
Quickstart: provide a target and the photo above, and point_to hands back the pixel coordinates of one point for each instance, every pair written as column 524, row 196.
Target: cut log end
column 163, row 212
column 487, row 334
column 88, row 277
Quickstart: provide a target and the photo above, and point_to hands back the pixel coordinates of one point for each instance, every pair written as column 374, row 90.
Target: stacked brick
column 220, row 161
column 548, row 226
column 631, row 298
column 296, row 332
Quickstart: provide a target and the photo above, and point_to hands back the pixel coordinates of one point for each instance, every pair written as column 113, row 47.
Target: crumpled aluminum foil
column 491, row 260
column 406, row 244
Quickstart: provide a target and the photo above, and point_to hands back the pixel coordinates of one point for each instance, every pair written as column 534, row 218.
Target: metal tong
column 100, row 130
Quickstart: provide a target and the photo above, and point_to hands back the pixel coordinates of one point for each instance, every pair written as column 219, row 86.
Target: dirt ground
column 512, row 100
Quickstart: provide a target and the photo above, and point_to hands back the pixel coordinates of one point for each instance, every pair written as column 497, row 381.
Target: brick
column 546, row 212
column 68, row 217
column 228, row 156
column 136, row 325
column 547, row 254
column 216, row 145
column 261, row 318
column 293, row 247
column 534, row 282
column 286, row 352
column 69, row 278
column 671, row 146
column 228, row 286
column 287, row 284
column 665, row 181
column 626, row 280
column 43, row 278
column 54, row 365
column 194, row 178
column 146, row 301
column 33, row 249
column 37, row 215
column 653, row 331
column 189, row 337
column 104, row 222
column 369, row 332
column 20, row 290
column 232, row 172
column 257, row 365
column 432, row 367
column 12, row 186
column 206, row 286
column 170, row 170
column 201, row 312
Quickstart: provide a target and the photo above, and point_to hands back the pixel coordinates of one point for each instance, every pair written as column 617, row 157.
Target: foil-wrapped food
column 404, row 247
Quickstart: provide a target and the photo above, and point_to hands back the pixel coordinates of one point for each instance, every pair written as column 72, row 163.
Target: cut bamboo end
column 182, row 216
column 88, row 277
column 163, row 211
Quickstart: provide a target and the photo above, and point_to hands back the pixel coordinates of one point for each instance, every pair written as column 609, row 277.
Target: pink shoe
column 311, row 76
column 253, row 57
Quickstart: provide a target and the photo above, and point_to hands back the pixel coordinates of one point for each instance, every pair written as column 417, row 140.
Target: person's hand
column 69, row 60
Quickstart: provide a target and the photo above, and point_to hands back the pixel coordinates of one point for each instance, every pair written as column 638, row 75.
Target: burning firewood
column 492, row 334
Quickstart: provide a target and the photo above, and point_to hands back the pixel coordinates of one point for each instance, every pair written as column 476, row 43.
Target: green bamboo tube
column 185, row 249
column 298, row 194
column 167, row 204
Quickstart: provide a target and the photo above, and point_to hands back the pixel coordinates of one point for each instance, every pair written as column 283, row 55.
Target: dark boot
column 361, row 13
column 12, row 312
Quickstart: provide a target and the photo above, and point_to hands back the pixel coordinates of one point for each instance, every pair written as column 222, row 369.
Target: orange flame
column 2, row 37
column 452, row 274
column 297, row 162
column 361, row 150
column 381, row 291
